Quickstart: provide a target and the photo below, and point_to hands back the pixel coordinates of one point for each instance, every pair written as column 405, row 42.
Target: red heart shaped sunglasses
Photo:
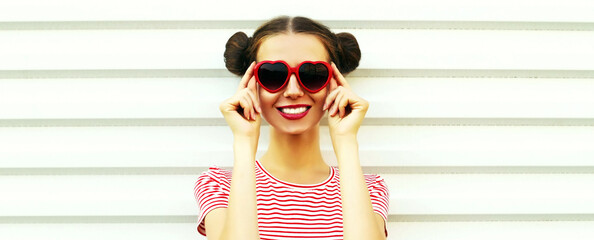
column 274, row 75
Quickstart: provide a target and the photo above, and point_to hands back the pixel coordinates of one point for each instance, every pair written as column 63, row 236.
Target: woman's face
column 293, row 109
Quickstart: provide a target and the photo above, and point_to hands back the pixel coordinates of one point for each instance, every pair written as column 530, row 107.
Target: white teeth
column 294, row 110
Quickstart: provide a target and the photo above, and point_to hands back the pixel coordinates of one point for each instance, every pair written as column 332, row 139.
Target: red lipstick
column 294, row 114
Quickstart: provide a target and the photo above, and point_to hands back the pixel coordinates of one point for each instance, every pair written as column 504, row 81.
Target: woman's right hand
column 242, row 110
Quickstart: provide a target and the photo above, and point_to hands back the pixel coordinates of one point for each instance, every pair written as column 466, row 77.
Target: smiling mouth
column 294, row 112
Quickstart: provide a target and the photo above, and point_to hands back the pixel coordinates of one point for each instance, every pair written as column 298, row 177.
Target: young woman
column 292, row 72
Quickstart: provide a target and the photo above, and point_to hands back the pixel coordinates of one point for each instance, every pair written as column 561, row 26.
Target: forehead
column 292, row 48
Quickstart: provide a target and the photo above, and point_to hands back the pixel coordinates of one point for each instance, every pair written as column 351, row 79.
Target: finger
column 240, row 110
column 251, row 85
column 245, row 104
column 246, row 76
column 250, row 107
column 333, row 84
column 344, row 102
column 252, row 91
column 330, row 98
column 254, row 100
column 335, row 106
column 341, row 80
column 242, row 107
column 227, row 106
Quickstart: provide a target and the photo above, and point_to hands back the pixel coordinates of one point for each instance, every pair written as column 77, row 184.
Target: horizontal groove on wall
column 391, row 218
column 490, row 217
column 97, row 219
column 335, row 24
column 369, row 169
column 191, row 122
column 365, row 72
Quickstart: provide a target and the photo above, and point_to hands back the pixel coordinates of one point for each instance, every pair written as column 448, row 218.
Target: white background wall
column 481, row 117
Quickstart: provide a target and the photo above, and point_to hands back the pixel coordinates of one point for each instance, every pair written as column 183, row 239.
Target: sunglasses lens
column 313, row 76
column 273, row 76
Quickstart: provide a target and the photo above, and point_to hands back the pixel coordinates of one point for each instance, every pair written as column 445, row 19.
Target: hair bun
column 349, row 53
column 236, row 53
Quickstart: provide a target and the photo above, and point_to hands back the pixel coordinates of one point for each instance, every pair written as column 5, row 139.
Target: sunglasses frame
column 291, row 71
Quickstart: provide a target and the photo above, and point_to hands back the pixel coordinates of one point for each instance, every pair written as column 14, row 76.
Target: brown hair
column 241, row 50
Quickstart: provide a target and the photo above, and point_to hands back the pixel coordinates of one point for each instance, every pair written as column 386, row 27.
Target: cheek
column 267, row 101
column 320, row 96
column 262, row 96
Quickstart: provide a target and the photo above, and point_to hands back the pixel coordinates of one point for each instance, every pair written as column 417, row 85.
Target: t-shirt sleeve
column 211, row 191
column 380, row 196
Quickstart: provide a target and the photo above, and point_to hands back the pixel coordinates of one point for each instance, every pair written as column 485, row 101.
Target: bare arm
column 360, row 221
column 240, row 220
column 346, row 111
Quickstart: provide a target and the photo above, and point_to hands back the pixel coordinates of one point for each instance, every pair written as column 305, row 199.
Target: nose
column 293, row 89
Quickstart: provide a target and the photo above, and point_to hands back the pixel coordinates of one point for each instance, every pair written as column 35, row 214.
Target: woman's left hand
column 346, row 110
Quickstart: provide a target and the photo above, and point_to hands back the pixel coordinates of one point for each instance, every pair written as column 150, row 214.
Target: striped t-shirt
column 287, row 210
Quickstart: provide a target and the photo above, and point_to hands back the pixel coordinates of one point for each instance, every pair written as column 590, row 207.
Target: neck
column 295, row 152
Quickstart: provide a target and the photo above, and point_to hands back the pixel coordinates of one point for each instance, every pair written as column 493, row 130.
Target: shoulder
column 211, row 192
column 214, row 176
column 370, row 178
column 216, row 172
column 376, row 184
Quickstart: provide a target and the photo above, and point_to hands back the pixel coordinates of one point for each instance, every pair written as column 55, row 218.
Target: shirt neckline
column 331, row 175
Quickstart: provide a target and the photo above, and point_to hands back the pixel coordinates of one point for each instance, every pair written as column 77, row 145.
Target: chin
column 293, row 128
